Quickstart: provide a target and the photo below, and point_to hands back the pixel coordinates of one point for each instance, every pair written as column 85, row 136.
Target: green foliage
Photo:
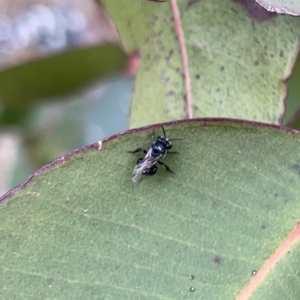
column 237, row 55
column 293, row 100
column 26, row 84
column 82, row 229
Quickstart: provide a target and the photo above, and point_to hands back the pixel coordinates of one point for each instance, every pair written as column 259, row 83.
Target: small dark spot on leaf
column 192, row 277
column 167, row 111
column 178, row 70
column 263, row 227
column 296, row 168
column 272, row 55
column 192, row 2
column 192, row 289
column 256, row 63
column 197, row 76
column 218, row 90
column 254, row 272
column 170, row 55
column 170, row 93
column 222, row 68
column 167, row 79
column 217, row 260
column 50, row 281
column 281, row 53
column 276, row 195
column 154, row 17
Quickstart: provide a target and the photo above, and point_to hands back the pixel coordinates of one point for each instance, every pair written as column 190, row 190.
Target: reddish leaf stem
column 184, row 56
column 270, row 264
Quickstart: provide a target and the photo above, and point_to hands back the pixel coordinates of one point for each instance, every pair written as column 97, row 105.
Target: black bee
column 147, row 166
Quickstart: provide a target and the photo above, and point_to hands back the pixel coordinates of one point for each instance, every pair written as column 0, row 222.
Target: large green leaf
column 237, row 55
column 80, row 229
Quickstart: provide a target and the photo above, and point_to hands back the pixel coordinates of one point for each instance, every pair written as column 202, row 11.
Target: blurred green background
column 63, row 85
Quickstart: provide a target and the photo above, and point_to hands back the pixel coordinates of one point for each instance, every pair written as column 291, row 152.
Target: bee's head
column 163, row 140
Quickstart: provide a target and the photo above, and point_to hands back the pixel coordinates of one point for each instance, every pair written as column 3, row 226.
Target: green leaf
column 238, row 56
column 295, row 121
column 80, row 229
column 23, row 85
column 293, row 99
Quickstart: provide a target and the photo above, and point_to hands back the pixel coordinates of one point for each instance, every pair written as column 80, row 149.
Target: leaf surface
column 292, row 102
column 237, row 53
column 80, row 229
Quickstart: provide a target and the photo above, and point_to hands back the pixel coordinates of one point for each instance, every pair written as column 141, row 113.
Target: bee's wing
column 137, row 174
column 147, row 163
column 138, row 177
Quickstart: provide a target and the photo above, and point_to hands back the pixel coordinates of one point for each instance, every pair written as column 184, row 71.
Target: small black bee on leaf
column 147, row 166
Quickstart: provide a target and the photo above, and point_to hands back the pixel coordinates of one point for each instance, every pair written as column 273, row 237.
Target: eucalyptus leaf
column 238, row 55
column 79, row 228
column 293, row 100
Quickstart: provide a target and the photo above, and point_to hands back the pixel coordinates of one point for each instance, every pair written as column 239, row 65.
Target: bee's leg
column 173, row 152
column 166, row 166
column 152, row 171
column 138, row 150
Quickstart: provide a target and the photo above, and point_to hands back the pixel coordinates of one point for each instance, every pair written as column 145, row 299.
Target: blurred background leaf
column 59, row 80
column 58, row 75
